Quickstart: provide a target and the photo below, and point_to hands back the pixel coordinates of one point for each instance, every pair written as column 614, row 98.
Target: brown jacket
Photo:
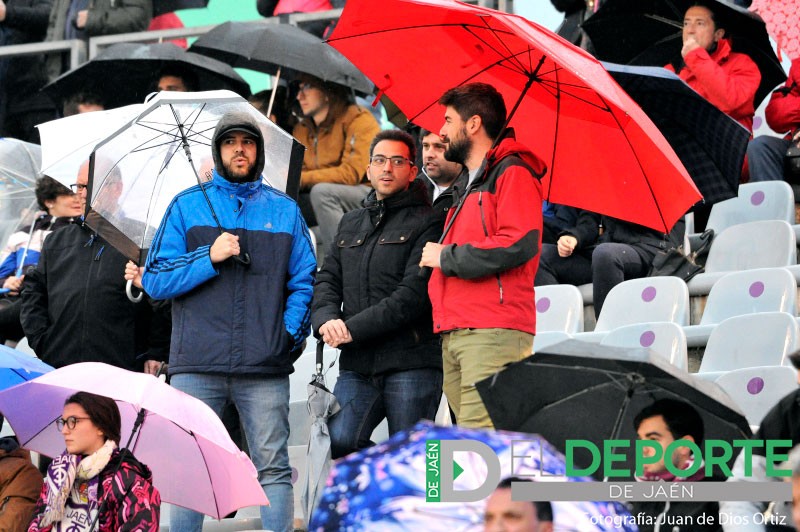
column 20, row 483
column 338, row 154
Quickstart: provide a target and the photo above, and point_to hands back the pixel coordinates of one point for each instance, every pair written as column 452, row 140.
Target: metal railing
column 81, row 51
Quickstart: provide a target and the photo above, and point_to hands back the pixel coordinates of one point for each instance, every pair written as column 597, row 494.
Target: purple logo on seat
column 756, row 289
column 647, row 338
column 757, row 198
column 295, row 475
column 543, row 305
column 755, row 385
column 649, row 294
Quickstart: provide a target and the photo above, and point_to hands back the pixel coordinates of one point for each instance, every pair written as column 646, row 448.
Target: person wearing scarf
column 93, row 485
column 664, row 422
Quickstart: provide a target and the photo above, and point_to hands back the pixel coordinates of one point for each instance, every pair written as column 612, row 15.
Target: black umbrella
column 274, row 48
column 168, row 6
column 648, row 32
column 710, row 144
column 582, row 391
column 126, row 73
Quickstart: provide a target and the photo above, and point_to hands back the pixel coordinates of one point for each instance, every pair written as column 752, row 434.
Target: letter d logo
column 449, row 494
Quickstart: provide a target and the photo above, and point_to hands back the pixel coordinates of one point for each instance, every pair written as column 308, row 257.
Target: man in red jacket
column 765, row 153
column 725, row 78
column 481, row 288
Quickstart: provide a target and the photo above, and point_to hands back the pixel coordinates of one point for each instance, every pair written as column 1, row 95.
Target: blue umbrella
column 17, row 367
column 383, row 487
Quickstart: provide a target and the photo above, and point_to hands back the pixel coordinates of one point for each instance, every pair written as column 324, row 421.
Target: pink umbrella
column 194, row 462
column 781, row 19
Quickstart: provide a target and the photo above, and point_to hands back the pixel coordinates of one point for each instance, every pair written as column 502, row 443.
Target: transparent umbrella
column 19, row 167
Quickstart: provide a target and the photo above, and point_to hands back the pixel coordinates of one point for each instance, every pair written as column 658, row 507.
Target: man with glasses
column 371, row 303
column 74, row 306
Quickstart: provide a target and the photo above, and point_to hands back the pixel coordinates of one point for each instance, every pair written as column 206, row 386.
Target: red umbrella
column 602, row 151
column 781, row 19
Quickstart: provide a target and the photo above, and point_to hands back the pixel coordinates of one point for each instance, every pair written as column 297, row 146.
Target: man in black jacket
column 371, row 302
column 74, row 307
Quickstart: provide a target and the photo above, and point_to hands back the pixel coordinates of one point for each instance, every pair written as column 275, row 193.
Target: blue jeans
column 765, row 156
column 263, row 405
column 402, row 397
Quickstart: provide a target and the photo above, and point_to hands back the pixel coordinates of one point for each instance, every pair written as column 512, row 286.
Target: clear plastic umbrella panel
column 137, row 171
column 19, row 167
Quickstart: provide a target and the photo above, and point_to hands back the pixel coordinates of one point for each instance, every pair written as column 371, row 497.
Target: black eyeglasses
column 77, row 187
column 70, row 422
column 397, row 161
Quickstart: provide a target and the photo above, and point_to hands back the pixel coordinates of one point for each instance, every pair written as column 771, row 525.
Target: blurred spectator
column 22, row 106
column 282, row 106
column 727, row 79
column 603, row 251
column 557, row 219
column 504, row 514
column 24, row 246
column 81, row 19
column 168, row 21
column 272, row 8
column 663, row 422
column 336, row 134
column 74, row 306
column 370, row 302
column 440, row 174
column 177, row 78
column 766, row 154
column 20, row 484
column 82, row 102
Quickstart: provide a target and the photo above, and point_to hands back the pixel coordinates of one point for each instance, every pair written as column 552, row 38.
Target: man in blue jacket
column 238, row 327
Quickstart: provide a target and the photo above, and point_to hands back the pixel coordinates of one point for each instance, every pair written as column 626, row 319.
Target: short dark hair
column 187, row 75
column 76, row 99
column 794, row 358
column 102, row 411
column 680, row 417
column 478, row 99
column 544, row 510
column 48, row 189
column 399, row 136
column 715, row 16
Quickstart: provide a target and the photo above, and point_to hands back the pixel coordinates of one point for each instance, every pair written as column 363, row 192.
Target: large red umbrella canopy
column 602, row 151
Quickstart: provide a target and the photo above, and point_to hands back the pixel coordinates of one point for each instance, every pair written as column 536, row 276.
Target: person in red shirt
column 725, row 78
column 766, row 154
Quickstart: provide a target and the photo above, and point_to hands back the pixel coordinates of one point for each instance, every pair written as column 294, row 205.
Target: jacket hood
column 233, row 120
column 508, row 145
column 129, row 462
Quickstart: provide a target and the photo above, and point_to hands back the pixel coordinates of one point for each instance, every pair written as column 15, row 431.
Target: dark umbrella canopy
column 126, row 73
column 266, row 47
column 649, row 32
column 709, row 143
column 161, row 7
column 581, row 391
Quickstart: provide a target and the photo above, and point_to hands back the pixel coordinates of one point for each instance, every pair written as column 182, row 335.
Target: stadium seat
column 663, row 338
column 747, row 246
column 757, row 201
column 745, row 292
column 545, row 339
column 559, row 307
column 756, row 390
column 644, row 300
column 751, row 340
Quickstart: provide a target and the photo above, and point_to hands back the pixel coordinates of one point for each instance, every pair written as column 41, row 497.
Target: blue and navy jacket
column 229, row 318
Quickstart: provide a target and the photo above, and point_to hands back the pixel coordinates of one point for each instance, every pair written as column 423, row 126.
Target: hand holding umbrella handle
column 242, row 258
column 129, row 292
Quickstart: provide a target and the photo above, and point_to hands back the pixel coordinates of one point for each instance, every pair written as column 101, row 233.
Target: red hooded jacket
column 725, row 78
column 783, row 110
column 491, row 253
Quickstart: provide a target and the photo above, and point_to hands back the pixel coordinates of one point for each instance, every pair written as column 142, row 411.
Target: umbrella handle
column 242, row 258
column 129, row 292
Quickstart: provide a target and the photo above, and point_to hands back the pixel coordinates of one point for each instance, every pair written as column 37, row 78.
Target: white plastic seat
column 663, row 338
column 559, row 307
column 587, row 293
column 545, row 339
column 747, row 246
column 649, row 299
column 757, row 201
column 756, row 390
column 745, row 292
column 763, row 339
